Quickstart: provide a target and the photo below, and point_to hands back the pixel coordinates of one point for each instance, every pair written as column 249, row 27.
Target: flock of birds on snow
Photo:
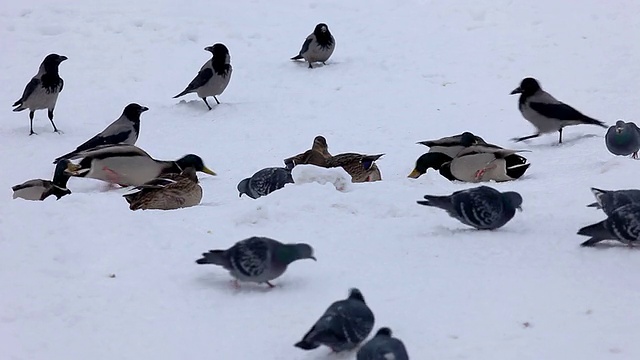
column 112, row 156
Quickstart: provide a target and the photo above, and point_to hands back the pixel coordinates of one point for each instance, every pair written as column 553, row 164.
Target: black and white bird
column 483, row 207
column 257, row 259
column 343, row 326
column 265, row 181
column 318, row 46
column 623, row 139
column 43, row 89
column 623, row 224
column 609, row 200
column 383, row 346
column 39, row 189
column 545, row 112
column 214, row 75
column 125, row 130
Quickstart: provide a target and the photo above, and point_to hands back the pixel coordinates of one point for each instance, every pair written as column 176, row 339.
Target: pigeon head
column 133, row 111
column 433, row 160
column 355, row 294
column 514, row 199
column 620, row 126
column 292, row 252
column 384, row 331
column 195, row 162
column 528, row 86
column 243, row 188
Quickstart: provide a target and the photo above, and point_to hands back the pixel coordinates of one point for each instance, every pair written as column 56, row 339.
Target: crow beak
column 313, row 258
column 143, row 109
column 63, row 58
column 517, row 90
column 208, row 48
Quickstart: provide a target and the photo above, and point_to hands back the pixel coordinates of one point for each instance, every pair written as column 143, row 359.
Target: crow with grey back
column 383, row 346
column 343, row 326
column 545, row 112
column 623, row 139
column 43, row 89
column 124, row 130
column 623, row 225
column 483, row 207
column 318, row 46
column 265, row 181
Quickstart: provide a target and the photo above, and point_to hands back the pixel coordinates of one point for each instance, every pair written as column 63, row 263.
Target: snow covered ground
column 403, row 71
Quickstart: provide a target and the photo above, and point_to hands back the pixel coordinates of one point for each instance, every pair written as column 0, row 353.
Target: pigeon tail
column 442, row 202
column 215, row 257
column 597, row 232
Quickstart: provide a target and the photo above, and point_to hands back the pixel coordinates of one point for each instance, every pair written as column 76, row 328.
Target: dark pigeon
column 383, row 346
column 622, row 225
column 609, row 200
column 265, row 182
column 623, row 139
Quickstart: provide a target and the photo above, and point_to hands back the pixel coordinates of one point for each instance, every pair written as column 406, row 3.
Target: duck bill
column 206, row 170
column 72, row 168
column 414, row 174
column 517, row 90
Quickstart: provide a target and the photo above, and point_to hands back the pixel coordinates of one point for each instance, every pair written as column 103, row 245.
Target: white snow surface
column 402, row 72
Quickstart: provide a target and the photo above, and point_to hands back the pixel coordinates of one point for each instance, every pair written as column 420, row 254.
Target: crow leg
column 216, row 99
column 55, row 129
column 31, row 132
column 205, row 101
column 525, row 138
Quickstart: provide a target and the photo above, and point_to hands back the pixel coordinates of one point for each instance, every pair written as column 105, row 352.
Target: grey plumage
column 39, row 189
column 483, row 207
column 257, row 259
column 383, row 346
column 318, row 46
column 623, row 224
column 623, row 139
column 169, row 192
column 43, row 89
column 264, row 182
column 452, row 145
column 214, row 75
column 344, row 325
column 124, row 130
column 545, row 112
column 609, row 200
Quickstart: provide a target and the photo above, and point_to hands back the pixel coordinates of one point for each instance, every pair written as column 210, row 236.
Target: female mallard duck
column 169, row 192
column 39, row 189
column 129, row 165
column 317, row 155
column 485, row 163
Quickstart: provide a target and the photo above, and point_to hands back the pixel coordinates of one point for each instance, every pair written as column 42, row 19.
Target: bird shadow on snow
column 448, row 231
column 614, row 245
column 225, row 283
column 566, row 141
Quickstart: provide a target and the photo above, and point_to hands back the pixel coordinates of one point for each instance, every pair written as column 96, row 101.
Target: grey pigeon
column 344, row 325
column 257, row 259
column 318, row 46
column 213, row 77
column 609, row 200
column 545, row 112
column 623, row 139
column 383, row 347
column 265, row 181
column 124, row 130
column 483, row 207
column 43, row 89
column 623, row 225
column 39, row 189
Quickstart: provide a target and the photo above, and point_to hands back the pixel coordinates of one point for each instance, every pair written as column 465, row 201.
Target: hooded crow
column 318, row 46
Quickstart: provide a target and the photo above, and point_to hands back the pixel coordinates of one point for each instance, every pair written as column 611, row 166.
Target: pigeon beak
column 414, row 174
column 519, row 208
column 206, row 170
column 517, row 90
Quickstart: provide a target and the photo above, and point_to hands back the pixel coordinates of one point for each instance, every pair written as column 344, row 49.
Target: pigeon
column 39, row 189
column 43, row 89
column 318, row 46
column 344, row 325
column 257, row 259
column 213, row 77
column 264, row 182
column 545, row 112
column 383, row 347
column 124, row 130
column 609, row 200
column 623, row 224
column 483, row 207
column 623, row 139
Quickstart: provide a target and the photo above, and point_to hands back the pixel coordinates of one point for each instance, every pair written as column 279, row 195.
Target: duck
column 360, row 167
column 481, row 163
column 168, row 192
column 39, row 189
column 128, row 165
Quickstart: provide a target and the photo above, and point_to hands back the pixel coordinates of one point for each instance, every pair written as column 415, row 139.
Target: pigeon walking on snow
column 265, row 182
column 318, row 46
column 257, row 259
column 213, row 77
column 43, row 89
column 623, row 224
column 545, row 112
column 383, row 346
column 483, row 207
column 623, row 139
column 344, row 325
column 39, row 189
column 124, row 130
column 610, row 200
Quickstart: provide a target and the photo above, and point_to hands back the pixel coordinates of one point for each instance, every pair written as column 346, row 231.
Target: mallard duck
column 317, row 155
column 485, row 163
column 168, row 192
column 39, row 189
column 129, row 165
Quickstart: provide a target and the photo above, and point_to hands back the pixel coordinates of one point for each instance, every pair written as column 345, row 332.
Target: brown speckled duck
column 169, row 192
